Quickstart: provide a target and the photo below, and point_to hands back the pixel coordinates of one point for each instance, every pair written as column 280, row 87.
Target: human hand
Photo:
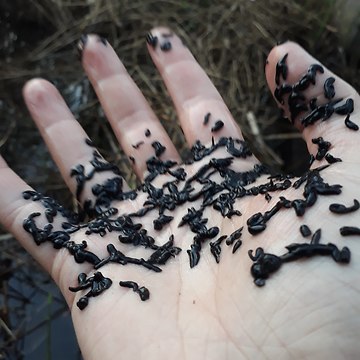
column 214, row 310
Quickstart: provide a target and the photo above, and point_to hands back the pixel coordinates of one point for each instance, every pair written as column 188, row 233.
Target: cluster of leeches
column 99, row 217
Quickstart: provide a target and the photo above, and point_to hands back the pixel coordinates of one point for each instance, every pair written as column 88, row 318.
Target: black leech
column 297, row 105
column 323, row 147
column 312, row 72
column 137, row 145
column 206, row 119
column 159, row 149
column 164, row 253
column 329, row 91
column 281, row 69
column 280, row 91
column 97, row 284
column 305, row 230
column 315, row 239
column 346, row 108
column 217, row 126
column 299, row 206
column 257, row 222
column 342, row 209
column 236, row 246
column 266, row 264
column 215, row 247
column 80, row 254
column 349, row 230
column 151, row 40
column 142, row 291
column 331, row 159
column 194, row 254
column 115, row 256
column 161, row 221
column 166, row 46
column 129, row 284
column 297, row 251
column 234, row 236
column 349, row 124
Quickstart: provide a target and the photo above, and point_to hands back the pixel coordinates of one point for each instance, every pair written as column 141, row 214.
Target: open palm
column 213, row 309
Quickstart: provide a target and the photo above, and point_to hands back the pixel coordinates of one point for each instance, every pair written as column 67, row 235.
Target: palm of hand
column 214, row 310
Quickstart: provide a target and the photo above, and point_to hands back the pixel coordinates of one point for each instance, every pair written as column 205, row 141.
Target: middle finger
column 201, row 109
column 134, row 123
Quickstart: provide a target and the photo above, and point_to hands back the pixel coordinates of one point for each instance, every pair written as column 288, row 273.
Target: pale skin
column 309, row 309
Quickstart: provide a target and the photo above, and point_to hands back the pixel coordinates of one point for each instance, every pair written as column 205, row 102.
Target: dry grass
column 230, row 39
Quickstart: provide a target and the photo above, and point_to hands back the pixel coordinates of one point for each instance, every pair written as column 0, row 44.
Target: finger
column 65, row 139
column 14, row 210
column 134, row 123
column 312, row 105
column 201, row 110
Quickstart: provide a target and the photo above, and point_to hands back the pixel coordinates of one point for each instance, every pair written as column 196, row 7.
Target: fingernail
column 81, row 45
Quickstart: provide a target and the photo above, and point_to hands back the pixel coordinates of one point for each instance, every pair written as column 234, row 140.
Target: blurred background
column 229, row 38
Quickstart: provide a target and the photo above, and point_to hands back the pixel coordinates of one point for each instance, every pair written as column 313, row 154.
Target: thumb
column 319, row 103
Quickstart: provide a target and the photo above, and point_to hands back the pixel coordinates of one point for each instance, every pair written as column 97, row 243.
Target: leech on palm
column 194, row 238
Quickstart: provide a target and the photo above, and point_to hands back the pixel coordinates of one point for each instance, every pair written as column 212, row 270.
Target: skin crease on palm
column 307, row 310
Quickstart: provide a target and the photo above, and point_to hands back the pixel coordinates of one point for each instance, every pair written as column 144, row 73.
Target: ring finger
column 201, row 109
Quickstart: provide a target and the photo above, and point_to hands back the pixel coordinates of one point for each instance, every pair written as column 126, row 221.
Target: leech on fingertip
column 217, row 126
column 81, row 44
column 281, row 69
column 151, row 40
column 137, row 145
column 166, row 46
column 206, row 118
